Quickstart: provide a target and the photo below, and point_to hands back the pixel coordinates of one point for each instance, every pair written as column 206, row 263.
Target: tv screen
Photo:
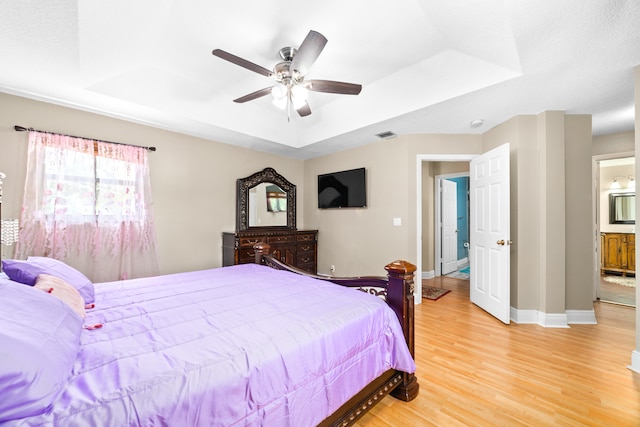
column 345, row 189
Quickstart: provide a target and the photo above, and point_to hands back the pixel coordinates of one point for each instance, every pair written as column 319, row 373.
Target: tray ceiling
column 425, row 66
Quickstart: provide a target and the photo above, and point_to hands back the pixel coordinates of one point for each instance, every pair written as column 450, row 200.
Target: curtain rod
column 23, row 129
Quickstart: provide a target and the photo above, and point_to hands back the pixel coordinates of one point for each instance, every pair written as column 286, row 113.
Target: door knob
column 500, row 242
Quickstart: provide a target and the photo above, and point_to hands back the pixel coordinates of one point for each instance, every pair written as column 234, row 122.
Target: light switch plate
column 397, row 222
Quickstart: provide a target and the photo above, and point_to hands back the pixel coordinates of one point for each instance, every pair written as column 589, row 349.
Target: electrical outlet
column 332, row 268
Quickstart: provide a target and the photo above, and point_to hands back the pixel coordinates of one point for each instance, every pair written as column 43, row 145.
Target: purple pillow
column 28, row 271
column 40, row 338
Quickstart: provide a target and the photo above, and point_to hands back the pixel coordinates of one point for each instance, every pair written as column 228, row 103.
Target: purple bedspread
column 236, row 346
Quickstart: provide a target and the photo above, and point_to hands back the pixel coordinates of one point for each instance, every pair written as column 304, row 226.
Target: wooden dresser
column 295, row 247
column 618, row 253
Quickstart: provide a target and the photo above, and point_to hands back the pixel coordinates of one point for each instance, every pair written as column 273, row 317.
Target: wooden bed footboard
column 397, row 290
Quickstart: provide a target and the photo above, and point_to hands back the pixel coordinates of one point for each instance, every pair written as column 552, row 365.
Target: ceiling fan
column 290, row 86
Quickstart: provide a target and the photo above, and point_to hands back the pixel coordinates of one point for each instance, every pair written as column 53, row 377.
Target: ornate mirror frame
column 243, row 185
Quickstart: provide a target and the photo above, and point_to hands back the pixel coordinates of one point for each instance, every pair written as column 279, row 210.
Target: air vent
column 386, row 135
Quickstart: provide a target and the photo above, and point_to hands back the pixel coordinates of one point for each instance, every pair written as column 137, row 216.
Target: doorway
column 452, row 225
column 615, row 278
column 489, row 187
column 424, row 216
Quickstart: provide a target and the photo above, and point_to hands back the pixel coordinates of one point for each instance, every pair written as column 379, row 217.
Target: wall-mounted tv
column 344, row 189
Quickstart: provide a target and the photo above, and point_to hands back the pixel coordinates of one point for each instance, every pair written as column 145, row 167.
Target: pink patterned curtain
column 88, row 203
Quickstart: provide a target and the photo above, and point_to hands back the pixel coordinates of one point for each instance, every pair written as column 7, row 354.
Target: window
column 89, row 197
column 90, row 186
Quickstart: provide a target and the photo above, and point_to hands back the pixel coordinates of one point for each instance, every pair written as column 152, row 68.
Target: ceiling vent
column 386, row 135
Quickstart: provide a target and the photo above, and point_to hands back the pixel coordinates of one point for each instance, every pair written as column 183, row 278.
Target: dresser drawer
column 307, row 247
column 305, row 258
column 306, row 237
column 249, row 241
column 246, row 255
column 289, row 238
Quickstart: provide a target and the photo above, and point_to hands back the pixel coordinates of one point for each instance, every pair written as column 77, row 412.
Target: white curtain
column 88, row 203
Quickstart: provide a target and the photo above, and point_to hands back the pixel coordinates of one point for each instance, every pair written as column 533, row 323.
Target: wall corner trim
column 547, row 320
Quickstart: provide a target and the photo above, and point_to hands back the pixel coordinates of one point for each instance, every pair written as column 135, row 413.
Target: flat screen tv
column 345, row 189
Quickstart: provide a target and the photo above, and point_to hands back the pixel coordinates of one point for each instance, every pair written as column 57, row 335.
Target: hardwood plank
column 475, row 371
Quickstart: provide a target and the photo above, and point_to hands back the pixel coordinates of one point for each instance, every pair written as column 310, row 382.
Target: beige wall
column 580, row 264
column 623, row 142
column 520, row 133
column 193, row 183
column 428, row 217
column 362, row 241
column 192, row 180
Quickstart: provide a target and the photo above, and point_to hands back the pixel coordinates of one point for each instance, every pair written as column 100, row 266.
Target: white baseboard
column 554, row 320
column 635, row 361
column 463, row 261
column 524, row 316
column 582, row 317
column 428, row 274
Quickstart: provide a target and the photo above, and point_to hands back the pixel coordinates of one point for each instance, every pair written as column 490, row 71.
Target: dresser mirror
column 265, row 200
column 622, row 208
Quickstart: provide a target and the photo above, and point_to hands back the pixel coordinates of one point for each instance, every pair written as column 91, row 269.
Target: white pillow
column 64, row 291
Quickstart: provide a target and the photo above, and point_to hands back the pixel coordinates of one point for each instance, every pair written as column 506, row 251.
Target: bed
column 252, row 344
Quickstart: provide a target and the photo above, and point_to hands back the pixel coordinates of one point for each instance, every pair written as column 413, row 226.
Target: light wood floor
column 475, row 371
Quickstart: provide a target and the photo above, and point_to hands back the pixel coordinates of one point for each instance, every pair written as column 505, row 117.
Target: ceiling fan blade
column 241, row 62
column 304, row 110
column 308, row 52
column 254, row 95
column 330, row 86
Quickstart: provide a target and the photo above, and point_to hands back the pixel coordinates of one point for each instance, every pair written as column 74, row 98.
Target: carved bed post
column 400, row 298
column 261, row 249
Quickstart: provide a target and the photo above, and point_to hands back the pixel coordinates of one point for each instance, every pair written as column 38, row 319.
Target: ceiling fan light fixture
column 279, row 91
column 299, row 92
column 298, row 102
column 281, row 103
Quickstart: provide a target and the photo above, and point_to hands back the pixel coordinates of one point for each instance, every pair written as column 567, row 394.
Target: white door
column 449, row 218
column 489, row 255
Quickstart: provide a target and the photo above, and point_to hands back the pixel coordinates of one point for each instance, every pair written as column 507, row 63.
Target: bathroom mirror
column 622, row 208
column 265, row 200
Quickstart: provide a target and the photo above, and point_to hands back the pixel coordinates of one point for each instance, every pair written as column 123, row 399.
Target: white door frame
column 419, row 159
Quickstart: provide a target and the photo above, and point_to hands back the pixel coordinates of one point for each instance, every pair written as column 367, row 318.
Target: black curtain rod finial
column 19, row 128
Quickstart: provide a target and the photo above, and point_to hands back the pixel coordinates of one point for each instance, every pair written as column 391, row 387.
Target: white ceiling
column 428, row 66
